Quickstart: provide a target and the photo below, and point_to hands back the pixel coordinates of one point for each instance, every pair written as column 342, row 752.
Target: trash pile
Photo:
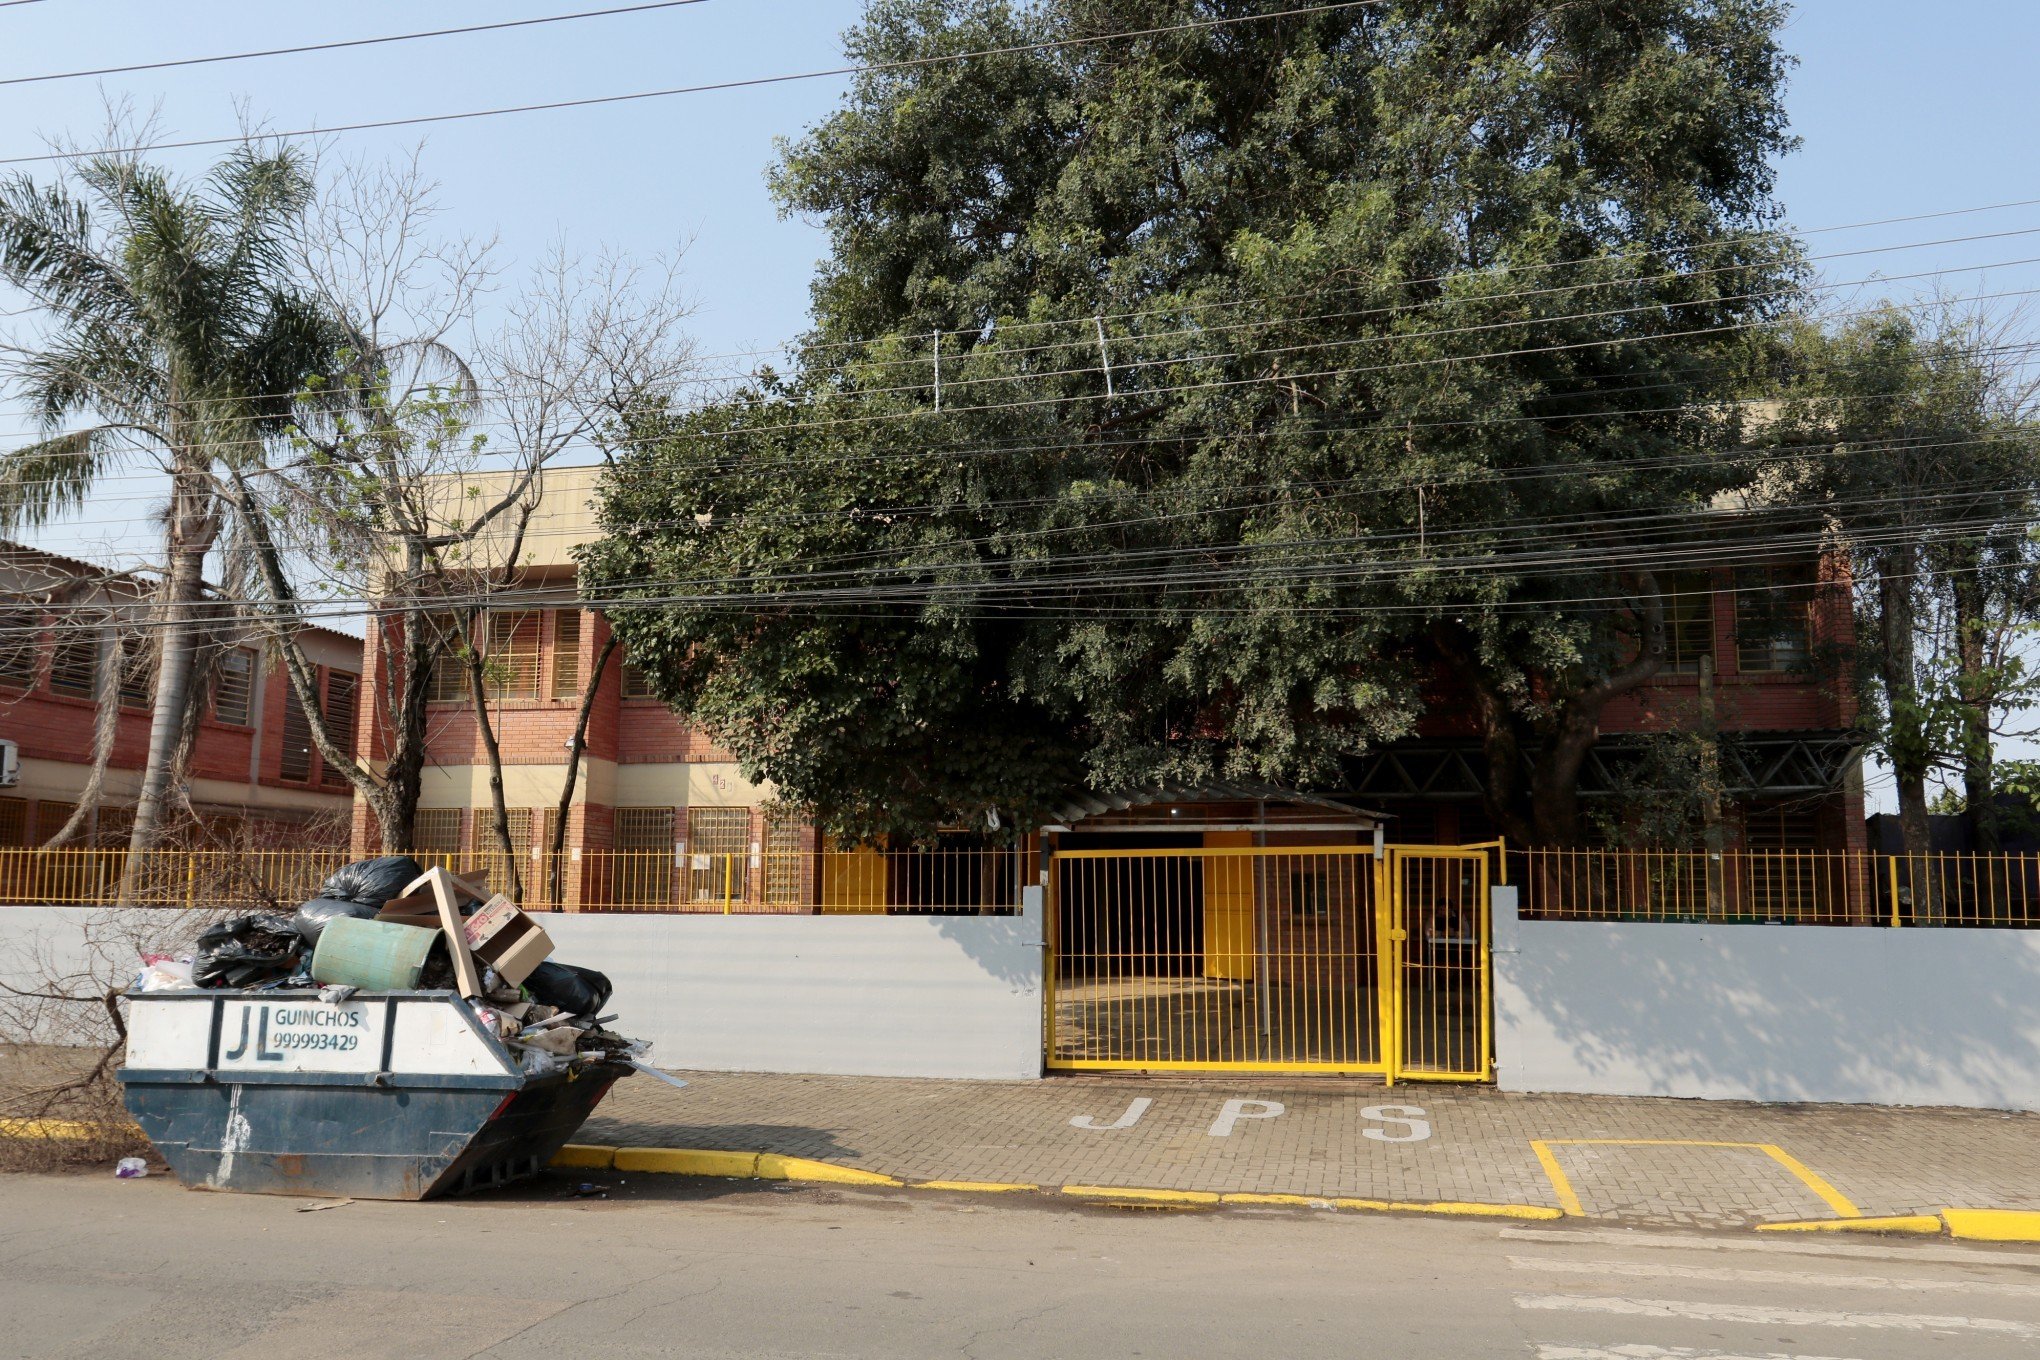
column 390, row 924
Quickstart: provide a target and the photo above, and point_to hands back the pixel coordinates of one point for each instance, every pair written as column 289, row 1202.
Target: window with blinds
column 20, row 638
column 74, row 662
column 1773, row 618
column 137, row 671
column 513, row 653
column 636, row 684
column 297, row 740
column 234, row 692
column 449, row 670
column 566, row 654
column 343, row 696
column 1689, row 619
column 724, row 835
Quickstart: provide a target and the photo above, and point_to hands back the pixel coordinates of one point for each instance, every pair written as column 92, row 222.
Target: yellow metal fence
column 1790, row 887
column 831, row 882
column 1329, row 959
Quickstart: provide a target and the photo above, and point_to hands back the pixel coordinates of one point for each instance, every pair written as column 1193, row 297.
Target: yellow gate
column 1231, row 957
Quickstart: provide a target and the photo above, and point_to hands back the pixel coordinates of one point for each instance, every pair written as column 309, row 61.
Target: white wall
column 909, row 996
column 1774, row 1013
column 917, row 996
column 79, row 951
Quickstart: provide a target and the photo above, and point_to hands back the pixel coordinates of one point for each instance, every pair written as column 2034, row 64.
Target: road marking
column 1660, row 1353
column 1570, row 1201
column 1233, row 1111
column 1730, row 1275
column 1409, row 1116
column 1134, row 1111
column 1773, row 1245
column 1753, row 1315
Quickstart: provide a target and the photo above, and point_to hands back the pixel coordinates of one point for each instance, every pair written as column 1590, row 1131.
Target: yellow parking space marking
column 1569, row 1200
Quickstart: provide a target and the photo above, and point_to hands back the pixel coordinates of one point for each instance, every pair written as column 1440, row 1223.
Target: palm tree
column 172, row 332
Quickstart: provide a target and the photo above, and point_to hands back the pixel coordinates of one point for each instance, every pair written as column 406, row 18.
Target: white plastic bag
column 165, row 975
column 131, row 1168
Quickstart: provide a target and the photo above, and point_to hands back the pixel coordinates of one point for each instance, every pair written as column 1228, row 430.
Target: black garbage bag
column 247, row 951
column 372, row 882
column 577, row 991
column 311, row 918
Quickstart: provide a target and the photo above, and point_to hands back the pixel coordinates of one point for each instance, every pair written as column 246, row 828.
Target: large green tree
column 166, row 329
column 1206, row 403
column 1922, row 458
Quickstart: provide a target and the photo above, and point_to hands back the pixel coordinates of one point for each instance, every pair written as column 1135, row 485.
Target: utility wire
column 347, row 43
column 1131, row 364
column 752, row 82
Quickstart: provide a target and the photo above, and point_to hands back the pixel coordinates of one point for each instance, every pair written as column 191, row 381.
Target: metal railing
column 847, row 882
column 1787, row 887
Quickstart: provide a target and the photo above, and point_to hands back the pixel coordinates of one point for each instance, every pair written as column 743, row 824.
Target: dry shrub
column 62, row 1027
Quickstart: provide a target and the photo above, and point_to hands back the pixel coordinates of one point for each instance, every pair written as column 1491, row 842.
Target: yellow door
column 1229, row 907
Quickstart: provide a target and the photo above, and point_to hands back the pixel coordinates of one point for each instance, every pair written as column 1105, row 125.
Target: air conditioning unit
column 10, row 764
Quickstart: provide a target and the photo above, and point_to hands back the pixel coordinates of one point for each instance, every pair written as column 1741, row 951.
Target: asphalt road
column 666, row 1266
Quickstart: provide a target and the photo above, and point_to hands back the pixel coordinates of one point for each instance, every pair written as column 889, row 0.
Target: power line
column 347, row 43
column 753, row 82
column 1529, row 323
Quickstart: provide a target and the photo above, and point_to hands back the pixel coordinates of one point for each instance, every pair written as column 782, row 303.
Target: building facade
column 253, row 777
column 660, row 818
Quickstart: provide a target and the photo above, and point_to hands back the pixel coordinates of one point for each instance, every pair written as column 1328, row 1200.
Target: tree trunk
column 105, row 727
column 1906, row 742
column 1555, row 779
column 478, row 691
column 1973, row 688
column 191, row 530
column 575, row 745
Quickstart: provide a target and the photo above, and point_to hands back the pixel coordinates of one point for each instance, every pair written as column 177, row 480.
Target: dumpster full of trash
column 402, row 1048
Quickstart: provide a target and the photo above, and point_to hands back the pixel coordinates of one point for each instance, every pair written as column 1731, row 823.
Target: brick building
column 254, row 776
column 1756, row 653
column 652, row 792
column 658, row 810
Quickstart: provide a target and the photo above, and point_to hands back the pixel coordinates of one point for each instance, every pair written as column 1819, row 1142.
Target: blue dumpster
column 387, row 1095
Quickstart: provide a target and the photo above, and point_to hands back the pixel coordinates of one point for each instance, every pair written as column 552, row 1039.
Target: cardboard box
column 506, row 939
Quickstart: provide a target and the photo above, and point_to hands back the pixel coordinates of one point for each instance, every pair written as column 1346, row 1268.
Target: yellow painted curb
column 1993, row 1225
column 977, row 1187
column 1286, row 1201
column 585, row 1155
column 1924, row 1224
column 688, row 1162
column 1453, row 1208
column 65, row 1130
column 1143, row 1194
column 773, row 1167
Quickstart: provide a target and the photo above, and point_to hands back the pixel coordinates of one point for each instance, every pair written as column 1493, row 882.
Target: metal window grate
column 642, row 867
column 718, row 848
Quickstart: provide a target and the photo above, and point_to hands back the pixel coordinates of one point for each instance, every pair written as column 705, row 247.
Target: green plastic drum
column 376, row 956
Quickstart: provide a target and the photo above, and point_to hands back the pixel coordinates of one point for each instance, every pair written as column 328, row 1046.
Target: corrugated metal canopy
column 1086, row 806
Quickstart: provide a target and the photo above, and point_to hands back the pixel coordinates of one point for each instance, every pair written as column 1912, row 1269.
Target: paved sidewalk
column 1644, row 1162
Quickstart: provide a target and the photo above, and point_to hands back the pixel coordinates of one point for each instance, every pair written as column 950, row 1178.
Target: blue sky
column 1904, row 108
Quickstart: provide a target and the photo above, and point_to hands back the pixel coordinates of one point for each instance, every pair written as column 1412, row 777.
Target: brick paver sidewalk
column 1637, row 1161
